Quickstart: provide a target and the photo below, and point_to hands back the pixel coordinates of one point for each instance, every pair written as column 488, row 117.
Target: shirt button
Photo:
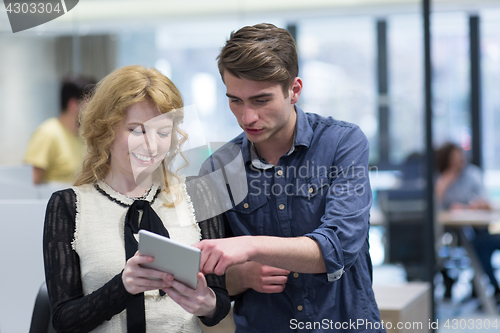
column 245, row 205
column 300, row 307
column 281, row 207
column 295, row 275
column 280, row 172
column 311, row 190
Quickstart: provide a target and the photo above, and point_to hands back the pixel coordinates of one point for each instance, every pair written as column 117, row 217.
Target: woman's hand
column 443, row 182
column 200, row 301
column 137, row 279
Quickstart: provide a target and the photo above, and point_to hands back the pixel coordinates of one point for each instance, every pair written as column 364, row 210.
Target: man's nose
column 249, row 116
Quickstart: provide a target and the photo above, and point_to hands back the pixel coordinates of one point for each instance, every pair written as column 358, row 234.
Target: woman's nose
column 151, row 142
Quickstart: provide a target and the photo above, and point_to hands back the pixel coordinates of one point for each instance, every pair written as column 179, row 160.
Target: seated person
column 55, row 150
column 460, row 186
column 93, row 270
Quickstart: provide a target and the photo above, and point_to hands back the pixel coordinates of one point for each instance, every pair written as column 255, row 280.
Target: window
column 337, row 65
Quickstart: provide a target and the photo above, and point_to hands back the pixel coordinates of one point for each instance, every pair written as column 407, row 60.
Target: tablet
column 182, row 261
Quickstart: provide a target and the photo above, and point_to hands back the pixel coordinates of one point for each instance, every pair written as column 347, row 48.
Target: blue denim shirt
column 319, row 189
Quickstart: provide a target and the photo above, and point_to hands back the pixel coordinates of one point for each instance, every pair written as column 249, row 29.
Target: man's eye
column 261, row 101
column 235, row 100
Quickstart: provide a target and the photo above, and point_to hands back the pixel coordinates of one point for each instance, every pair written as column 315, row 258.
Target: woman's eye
column 137, row 131
column 164, row 134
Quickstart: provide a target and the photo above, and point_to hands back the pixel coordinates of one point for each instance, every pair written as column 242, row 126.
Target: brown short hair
column 261, row 52
column 75, row 87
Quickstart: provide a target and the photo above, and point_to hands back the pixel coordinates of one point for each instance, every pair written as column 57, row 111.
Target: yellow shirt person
column 56, row 150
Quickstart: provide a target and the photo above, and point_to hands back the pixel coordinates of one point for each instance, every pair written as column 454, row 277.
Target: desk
column 464, row 217
column 456, row 220
column 408, row 304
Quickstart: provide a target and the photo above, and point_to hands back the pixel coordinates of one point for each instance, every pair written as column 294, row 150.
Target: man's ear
column 295, row 90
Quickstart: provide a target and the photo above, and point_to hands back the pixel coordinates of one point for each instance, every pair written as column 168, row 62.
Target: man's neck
column 271, row 150
column 69, row 122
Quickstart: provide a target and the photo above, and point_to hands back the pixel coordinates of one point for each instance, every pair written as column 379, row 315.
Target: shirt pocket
column 312, row 187
column 308, row 203
column 248, row 216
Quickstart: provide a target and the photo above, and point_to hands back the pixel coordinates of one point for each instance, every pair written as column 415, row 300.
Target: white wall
column 28, row 91
column 22, row 270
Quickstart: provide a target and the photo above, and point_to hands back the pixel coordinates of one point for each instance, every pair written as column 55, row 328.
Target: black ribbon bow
column 136, row 315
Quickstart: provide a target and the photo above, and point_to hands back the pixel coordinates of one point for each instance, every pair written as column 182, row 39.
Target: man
column 55, row 150
column 308, row 204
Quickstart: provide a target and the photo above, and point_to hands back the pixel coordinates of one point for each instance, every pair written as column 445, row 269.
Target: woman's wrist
column 212, row 304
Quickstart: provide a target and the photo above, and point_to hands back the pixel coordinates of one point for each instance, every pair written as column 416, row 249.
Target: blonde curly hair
column 106, row 108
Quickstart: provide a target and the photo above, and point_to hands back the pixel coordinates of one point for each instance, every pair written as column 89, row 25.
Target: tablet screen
column 180, row 260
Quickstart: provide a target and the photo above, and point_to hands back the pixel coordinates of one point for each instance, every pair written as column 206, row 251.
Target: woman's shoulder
column 69, row 195
column 62, row 202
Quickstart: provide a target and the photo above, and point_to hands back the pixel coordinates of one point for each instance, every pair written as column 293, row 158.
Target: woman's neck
column 126, row 186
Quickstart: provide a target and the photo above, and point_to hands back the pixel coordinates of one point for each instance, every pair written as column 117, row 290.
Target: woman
column 93, row 271
column 459, row 184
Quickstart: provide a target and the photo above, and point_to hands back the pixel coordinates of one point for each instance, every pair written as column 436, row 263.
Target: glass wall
column 338, row 59
column 189, row 53
column 406, row 88
column 337, row 64
column 490, row 60
column 186, row 53
column 451, row 75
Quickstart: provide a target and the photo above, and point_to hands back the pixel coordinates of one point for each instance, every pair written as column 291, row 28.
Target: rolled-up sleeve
column 345, row 223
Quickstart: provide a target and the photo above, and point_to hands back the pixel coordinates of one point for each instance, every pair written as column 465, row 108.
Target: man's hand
column 218, row 254
column 261, row 278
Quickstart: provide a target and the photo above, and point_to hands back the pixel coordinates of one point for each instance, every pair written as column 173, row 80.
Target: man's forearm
column 297, row 254
column 38, row 174
column 234, row 281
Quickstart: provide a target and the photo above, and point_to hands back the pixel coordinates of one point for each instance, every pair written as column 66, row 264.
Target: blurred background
column 361, row 61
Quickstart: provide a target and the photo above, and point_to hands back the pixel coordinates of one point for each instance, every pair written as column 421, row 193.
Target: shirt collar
column 257, row 161
column 302, row 137
column 303, row 130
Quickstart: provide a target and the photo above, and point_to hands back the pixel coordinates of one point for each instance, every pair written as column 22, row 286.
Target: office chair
column 41, row 320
